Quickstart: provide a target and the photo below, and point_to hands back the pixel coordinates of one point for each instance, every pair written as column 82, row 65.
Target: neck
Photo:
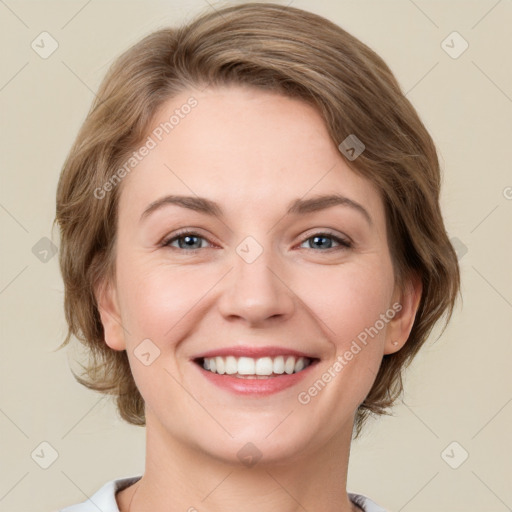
column 180, row 477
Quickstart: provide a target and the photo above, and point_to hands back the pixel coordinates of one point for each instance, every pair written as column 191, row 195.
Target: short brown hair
column 300, row 55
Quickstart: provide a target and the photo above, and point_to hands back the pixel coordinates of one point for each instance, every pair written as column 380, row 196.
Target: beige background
column 459, row 388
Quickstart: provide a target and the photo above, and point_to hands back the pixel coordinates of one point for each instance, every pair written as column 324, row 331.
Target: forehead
column 242, row 146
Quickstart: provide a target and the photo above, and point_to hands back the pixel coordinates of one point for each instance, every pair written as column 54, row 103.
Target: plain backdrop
column 458, row 396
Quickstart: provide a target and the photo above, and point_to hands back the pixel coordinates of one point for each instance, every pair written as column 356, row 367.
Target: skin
column 253, row 152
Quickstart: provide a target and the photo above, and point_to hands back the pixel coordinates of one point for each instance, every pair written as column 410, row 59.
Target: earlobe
column 400, row 326
column 108, row 307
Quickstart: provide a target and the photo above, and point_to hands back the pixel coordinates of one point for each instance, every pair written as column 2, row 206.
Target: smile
column 255, row 368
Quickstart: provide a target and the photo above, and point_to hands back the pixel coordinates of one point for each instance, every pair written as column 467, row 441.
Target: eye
column 188, row 240
column 322, row 241
column 191, row 241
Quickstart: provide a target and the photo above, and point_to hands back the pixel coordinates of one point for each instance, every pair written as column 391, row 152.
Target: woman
column 253, row 251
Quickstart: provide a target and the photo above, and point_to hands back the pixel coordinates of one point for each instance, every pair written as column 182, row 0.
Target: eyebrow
column 296, row 207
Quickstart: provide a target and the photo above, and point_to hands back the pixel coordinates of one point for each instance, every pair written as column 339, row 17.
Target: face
column 247, row 262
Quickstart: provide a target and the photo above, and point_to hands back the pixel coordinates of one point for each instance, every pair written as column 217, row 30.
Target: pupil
column 317, row 238
column 189, row 240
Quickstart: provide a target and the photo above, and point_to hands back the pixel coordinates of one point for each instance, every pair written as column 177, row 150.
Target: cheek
column 156, row 304
column 157, row 301
column 351, row 302
column 348, row 307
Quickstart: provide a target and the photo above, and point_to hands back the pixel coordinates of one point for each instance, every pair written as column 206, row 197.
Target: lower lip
column 260, row 387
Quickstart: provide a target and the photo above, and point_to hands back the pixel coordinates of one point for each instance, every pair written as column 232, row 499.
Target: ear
column 108, row 307
column 405, row 303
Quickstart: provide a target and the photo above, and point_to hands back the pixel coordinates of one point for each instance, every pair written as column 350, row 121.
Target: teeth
column 246, row 366
column 299, row 365
column 289, row 366
column 231, row 365
column 262, row 367
column 279, row 365
column 219, row 364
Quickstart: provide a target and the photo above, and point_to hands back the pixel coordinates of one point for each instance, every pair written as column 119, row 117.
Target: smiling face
column 251, row 263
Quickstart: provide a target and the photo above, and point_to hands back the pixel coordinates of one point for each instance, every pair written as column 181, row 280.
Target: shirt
column 105, row 498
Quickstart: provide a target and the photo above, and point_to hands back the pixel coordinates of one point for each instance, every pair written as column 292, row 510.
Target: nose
column 257, row 291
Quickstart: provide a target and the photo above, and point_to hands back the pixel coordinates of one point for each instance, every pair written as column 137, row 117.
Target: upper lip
column 254, row 352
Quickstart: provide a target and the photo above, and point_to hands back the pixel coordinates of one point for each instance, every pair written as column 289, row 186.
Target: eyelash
column 343, row 244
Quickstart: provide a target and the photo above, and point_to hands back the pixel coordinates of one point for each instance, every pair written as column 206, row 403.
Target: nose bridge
column 255, row 291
